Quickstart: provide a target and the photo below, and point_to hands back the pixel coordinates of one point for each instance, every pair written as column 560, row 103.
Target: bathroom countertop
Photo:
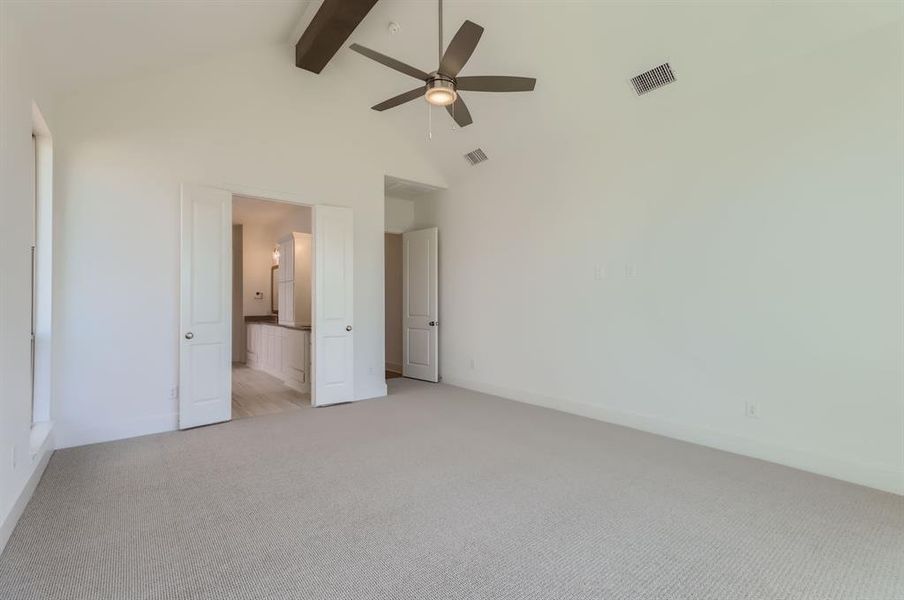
column 271, row 320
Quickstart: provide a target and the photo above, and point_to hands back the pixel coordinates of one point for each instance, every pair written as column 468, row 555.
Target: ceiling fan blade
column 459, row 111
column 495, row 83
column 460, row 48
column 401, row 99
column 390, row 62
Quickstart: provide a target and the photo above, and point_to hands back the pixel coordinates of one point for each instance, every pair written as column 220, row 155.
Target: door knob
column 432, row 323
column 189, row 335
column 348, row 327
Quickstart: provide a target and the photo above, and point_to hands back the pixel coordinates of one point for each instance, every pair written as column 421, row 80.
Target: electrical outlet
column 473, row 364
column 12, row 456
column 752, row 410
column 174, row 392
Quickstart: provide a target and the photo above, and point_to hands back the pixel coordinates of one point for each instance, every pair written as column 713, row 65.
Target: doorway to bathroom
column 271, row 306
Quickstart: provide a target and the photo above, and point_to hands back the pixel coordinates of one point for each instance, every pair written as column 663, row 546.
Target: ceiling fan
column 442, row 86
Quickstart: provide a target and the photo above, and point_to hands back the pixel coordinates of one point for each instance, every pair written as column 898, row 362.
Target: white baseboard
column 42, row 457
column 73, row 434
column 881, row 477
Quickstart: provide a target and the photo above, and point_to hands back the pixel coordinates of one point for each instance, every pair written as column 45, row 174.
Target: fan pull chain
column 429, row 122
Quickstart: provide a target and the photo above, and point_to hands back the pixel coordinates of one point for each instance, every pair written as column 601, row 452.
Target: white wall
column 743, row 244
column 20, row 86
column 251, row 123
column 425, row 214
column 299, row 221
column 393, row 302
column 399, row 215
column 257, row 259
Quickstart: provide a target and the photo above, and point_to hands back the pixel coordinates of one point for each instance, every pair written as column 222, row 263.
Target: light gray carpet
column 437, row 492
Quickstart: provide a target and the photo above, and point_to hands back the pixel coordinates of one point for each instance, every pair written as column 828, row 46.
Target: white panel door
column 420, row 306
column 333, row 362
column 205, row 357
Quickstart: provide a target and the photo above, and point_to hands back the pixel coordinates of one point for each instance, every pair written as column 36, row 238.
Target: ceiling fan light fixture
column 440, row 92
column 443, row 84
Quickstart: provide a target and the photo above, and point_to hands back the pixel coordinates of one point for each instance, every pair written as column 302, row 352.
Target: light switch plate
column 752, row 410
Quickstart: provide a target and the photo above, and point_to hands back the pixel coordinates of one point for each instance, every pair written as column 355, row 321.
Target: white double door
column 205, row 357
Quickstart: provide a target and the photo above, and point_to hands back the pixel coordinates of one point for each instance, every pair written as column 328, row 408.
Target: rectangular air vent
column 475, row 157
column 652, row 79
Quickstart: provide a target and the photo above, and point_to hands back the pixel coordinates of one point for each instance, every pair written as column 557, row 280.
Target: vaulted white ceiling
column 582, row 53
column 87, row 42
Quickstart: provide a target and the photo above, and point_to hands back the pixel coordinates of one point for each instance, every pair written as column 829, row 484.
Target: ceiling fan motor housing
column 440, row 90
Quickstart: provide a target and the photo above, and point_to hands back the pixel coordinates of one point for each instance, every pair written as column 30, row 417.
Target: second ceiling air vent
column 652, row 79
column 475, row 157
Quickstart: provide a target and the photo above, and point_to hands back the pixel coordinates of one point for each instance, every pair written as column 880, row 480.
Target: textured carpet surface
column 437, row 492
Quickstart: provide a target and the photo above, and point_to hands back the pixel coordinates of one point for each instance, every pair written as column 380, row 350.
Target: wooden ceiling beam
column 328, row 31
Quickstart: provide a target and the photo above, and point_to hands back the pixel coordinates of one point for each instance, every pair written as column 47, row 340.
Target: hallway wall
column 393, row 304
